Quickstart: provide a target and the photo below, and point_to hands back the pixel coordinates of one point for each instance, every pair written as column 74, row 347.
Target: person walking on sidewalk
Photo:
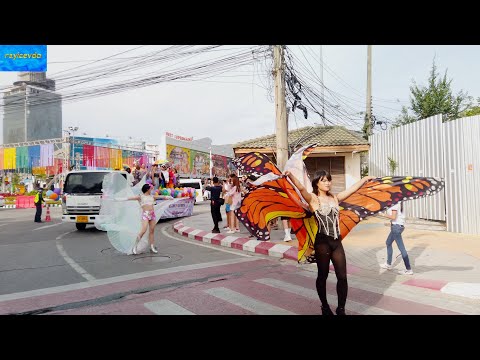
column 215, row 192
column 397, row 221
column 38, row 204
column 328, row 242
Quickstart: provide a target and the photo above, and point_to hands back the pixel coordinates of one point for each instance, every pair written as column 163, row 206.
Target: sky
column 238, row 106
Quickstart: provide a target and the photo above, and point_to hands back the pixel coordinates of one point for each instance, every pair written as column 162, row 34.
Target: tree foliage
column 435, row 98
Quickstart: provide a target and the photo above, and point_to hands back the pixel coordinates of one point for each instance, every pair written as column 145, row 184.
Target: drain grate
column 150, row 258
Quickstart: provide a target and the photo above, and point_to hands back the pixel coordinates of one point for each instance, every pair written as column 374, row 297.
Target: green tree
column 404, row 118
column 473, row 110
column 435, row 98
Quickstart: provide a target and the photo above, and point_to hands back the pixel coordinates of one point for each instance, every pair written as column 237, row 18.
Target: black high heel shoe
column 340, row 311
column 326, row 310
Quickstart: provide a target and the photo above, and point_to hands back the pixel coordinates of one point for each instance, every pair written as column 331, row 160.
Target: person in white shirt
column 130, row 178
column 395, row 213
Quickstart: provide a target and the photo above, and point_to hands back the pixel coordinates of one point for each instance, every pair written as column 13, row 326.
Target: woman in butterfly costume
column 320, row 220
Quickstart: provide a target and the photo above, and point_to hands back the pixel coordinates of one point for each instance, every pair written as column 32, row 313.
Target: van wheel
column 81, row 227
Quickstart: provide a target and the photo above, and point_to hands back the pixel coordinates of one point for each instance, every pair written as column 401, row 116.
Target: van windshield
column 194, row 185
column 85, row 183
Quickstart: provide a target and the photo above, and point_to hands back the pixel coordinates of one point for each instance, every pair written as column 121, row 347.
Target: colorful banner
column 46, row 155
column 177, row 208
column 56, row 168
column 180, row 158
column 22, row 159
column 9, row 158
column 200, row 166
column 88, row 156
column 219, row 168
column 34, row 156
column 41, row 158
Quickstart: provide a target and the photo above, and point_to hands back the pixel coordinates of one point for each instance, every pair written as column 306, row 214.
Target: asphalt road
column 52, row 268
column 36, row 256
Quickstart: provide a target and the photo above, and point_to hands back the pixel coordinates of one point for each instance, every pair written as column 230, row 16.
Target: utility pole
column 210, row 148
column 368, row 116
column 73, row 129
column 323, row 87
column 280, row 107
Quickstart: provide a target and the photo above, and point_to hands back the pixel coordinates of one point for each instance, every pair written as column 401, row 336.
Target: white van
column 196, row 184
column 82, row 196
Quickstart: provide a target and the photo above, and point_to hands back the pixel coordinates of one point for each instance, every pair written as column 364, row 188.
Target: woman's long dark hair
column 235, row 182
column 319, row 176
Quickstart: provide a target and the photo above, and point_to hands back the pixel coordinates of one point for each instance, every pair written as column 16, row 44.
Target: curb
column 240, row 243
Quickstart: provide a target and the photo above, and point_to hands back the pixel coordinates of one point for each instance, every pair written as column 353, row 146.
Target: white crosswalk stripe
column 418, row 295
column 246, row 302
column 312, row 294
column 166, row 307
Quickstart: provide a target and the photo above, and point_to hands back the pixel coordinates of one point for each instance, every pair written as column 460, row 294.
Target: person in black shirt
column 215, row 192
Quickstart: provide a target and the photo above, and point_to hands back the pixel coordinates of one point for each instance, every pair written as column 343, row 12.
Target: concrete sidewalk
column 442, row 261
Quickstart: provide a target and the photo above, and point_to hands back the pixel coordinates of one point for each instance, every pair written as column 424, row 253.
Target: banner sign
column 168, row 209
column 178, row 137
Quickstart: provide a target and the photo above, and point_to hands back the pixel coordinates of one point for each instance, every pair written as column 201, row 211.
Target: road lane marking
column 73, row 264
column 47, row 226
column 64, row 234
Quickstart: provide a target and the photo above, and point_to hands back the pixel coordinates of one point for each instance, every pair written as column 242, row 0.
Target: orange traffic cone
column 47, row 217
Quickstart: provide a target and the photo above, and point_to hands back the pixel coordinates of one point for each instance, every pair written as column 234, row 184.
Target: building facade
column 32, row 110
column 338, row 151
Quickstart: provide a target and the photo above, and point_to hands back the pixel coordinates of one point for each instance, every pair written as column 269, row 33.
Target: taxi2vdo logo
column 28, row 58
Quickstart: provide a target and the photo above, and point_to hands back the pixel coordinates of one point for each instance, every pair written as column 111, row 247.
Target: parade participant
column 319, row 219
column 147, row 200
column 328, row 245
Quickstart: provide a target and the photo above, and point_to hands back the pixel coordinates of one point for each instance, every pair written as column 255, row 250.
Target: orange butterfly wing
column 263, row 204
column 382, row 193
column 305, row 230
column 256, row 163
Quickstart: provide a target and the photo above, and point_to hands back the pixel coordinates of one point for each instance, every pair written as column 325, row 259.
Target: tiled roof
column 322, row 135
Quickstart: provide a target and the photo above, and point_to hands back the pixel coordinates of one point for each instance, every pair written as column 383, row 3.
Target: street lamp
column 73, row 129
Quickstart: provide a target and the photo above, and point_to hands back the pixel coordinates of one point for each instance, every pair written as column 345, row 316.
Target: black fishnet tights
column 326, row 249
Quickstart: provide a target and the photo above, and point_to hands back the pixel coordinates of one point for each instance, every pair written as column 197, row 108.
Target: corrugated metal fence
column 462, row 164
column 448, row 150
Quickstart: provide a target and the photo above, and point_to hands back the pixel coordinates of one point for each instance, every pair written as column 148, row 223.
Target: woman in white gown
column 149, row 219
column 122, row 219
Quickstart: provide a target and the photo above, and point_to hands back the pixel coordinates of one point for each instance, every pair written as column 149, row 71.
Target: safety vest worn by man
column 37, row 197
